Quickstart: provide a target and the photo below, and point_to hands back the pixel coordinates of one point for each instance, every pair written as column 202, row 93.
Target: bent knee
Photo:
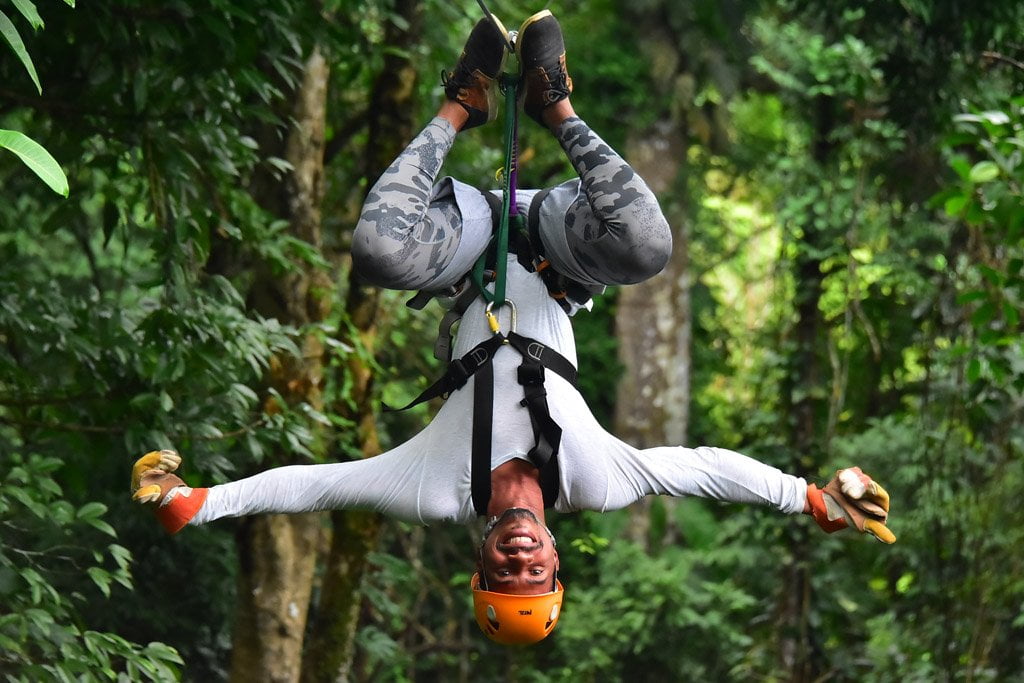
column 377, row 258
column 646, row 252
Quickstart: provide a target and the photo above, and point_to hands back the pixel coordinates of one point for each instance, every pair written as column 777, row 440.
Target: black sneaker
column 472, row 82
column 541, row 51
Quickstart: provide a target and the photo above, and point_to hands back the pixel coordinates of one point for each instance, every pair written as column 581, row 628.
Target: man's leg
column 613, row 230
column 409, row 231
column 405, row 238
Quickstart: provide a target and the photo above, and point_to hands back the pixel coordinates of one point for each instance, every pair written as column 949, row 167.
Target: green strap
column 510, row 84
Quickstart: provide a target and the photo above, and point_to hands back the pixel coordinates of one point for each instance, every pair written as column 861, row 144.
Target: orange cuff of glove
column 181, row 508
column 815, row 497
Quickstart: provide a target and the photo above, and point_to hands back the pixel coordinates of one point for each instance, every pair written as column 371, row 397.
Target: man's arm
column 390, row 483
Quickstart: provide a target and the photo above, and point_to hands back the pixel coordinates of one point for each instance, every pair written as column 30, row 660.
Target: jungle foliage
column 852, row 187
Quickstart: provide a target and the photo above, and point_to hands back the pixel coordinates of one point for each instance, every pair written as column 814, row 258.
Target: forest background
column 844, row 181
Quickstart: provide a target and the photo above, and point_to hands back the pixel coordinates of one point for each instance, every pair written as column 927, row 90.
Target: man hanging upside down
column 514, row 436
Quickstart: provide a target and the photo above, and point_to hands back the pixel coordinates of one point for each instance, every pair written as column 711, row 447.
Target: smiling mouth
column 519, row 539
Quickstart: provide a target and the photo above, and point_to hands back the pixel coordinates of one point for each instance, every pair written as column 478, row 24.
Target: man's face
column 518, row 555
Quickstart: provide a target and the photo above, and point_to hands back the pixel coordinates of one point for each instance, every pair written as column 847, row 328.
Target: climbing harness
column 531, row 375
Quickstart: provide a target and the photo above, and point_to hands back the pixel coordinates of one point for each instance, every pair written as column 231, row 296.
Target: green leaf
column 28, row 10
column 992, row 275
column 984, row 315
column 101, row 577
column 10, row 33
column 955, row 204
column 9, row 645
column 961, row 166
column 91, row 510
column 102, row 526
column 984, row 171
column 968, row 297
column 996, row 118
column 973, row 370
column 1011, row 315
column 36, row 158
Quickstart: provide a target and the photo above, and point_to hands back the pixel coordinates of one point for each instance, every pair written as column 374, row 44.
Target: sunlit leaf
column 984, row 171
column 29, row 11
column 37, row 159
column 10, row 34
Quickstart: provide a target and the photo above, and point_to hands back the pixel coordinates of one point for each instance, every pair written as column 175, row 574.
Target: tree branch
column 62, row 426
column 12, row 401
column 999, row 57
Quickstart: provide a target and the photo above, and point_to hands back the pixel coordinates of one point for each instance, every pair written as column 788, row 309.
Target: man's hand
column 852, row 498
column 162, row 461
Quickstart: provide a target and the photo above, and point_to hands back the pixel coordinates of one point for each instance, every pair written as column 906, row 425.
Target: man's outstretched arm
column 388, row 483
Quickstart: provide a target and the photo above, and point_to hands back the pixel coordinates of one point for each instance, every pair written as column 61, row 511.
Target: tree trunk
column 653, row 318
column 654, row 330
column 277, row 553
column 653, row 322
column 391, row 124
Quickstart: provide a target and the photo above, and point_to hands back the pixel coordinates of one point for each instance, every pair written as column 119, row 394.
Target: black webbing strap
column 533, row 219
column 480, row 462
column 443, row 343
column 458, row 373
column 545, row 355
column 547, row 435
column 556, row 283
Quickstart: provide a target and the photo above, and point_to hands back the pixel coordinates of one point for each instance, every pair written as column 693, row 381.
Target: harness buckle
column 531, row 374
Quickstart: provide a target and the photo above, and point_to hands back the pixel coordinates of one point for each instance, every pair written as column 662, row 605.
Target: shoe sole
column 522, row 29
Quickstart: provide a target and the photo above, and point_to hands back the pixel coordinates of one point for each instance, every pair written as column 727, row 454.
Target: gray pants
column 604, row 228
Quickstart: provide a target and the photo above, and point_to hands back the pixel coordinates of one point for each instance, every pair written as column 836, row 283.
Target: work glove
column 852, row 498
column 164, row 461
column 154, row 481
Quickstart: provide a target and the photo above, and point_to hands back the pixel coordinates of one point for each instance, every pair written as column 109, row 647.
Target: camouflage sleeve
column 606, row 228
column 408, row 232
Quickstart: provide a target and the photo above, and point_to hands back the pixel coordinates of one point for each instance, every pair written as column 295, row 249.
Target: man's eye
column 503, row 572
column 536, row 571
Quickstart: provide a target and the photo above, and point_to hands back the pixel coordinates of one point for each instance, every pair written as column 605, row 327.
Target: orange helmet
column 516, row 619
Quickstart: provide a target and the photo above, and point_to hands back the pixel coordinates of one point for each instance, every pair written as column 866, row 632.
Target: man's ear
column 556, row 561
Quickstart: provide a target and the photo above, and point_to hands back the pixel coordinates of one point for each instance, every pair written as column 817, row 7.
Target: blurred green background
column 844, row 180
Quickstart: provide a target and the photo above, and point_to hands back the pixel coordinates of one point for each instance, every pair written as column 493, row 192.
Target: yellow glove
column 852, row 498
column 165, row 461
column 154, row 481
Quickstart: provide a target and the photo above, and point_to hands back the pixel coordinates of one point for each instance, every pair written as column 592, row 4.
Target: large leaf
column 28, row 10
column 36, row 158
column 11, row 34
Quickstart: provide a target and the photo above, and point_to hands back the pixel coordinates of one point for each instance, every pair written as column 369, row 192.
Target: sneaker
column 541, row 51
column 472, row 82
